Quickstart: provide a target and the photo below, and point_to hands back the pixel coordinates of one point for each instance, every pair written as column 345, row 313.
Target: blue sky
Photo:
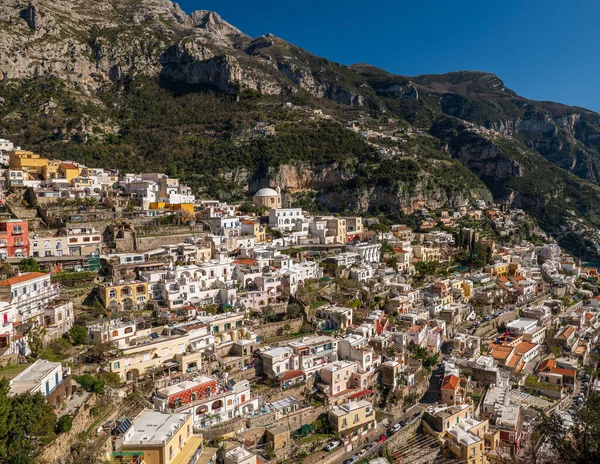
column 542, row 49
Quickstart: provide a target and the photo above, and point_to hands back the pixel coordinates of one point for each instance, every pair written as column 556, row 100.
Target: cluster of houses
column 507, row 339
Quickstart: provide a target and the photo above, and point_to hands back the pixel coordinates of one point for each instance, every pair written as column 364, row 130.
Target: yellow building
column 51, row 170
column 28, row 162
column 166, row 439
column 462, row 436
column 69, row 171
column 337, row 228
column 254, row 228
column 498, row 269
column 352, row 419
column 176, row 207
column 426, row 254
column 126, row 296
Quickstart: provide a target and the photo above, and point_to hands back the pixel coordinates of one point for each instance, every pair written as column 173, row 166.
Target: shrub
column 64, row 424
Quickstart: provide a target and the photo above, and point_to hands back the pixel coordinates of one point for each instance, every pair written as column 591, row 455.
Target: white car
column 332, row 445
column 395, row 428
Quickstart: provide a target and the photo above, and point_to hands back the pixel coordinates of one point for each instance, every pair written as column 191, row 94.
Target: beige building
column 353, row 419
column 337, row 228
column 267, row 198
column 462, row 436
column 165, row 439
column 150, row 354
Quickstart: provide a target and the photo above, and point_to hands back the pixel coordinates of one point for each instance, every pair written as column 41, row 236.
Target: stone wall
column 228, row 429
column 59, row 451
column 293, row 420
column 273, row 329
column 143, row 244
column 493, row 324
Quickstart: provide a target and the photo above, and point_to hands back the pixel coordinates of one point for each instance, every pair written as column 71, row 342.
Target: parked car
column 352, row 459
column 332, row 445
column 394, row 428
column 382, row 438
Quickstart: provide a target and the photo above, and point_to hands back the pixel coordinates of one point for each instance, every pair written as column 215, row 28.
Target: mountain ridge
column 139, row 83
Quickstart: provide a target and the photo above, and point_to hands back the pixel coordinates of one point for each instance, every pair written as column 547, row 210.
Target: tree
column 579, row 444
column 7, row 269
column 78, row 335
column 90, row 383
column 294, row 311
column 29, row 265
column 33, row 424
column 35, row 339
column 64, row 424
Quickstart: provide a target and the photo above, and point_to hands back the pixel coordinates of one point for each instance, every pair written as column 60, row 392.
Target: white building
column 114, row 331
column 368, row 252
column 286, row 219
column 29, row 293
column 521, row 326
column 41, row 377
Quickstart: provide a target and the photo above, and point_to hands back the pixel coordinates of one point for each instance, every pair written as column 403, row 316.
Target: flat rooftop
column 152, row 428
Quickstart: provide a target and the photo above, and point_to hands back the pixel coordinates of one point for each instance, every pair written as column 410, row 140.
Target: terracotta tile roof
column 451, row 382
column 21, row 278
column 514, row 361
column 524, row 347
column 547, row 365
column 247, row 261
column 69, row 166
column 502, row 352
column 360, row 394
column 289, row 375
column 565, row 334
column 564, row 372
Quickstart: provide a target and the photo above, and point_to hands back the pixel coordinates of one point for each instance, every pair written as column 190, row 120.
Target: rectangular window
column 117, row 365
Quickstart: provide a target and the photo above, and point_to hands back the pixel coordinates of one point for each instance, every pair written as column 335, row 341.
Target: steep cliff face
column 122, row 84
column 89, row 43
column 566, row 136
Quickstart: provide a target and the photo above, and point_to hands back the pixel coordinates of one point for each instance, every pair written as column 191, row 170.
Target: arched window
column 140, row 289
column 60, row 316
column 192, row 289
column 115, row 333
column 46, row 244
column 58, row 244
column 128, row 330
column 112, row 293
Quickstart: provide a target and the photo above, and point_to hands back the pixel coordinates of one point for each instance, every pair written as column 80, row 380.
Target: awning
column 188, row 450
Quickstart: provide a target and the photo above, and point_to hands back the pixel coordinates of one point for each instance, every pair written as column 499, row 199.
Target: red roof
column 68, row 166
column 450, row 382
column 21, row 278
column 547, row 365
column 247, row 261
column 360, row 394
column 289, row 375
column 564, row 372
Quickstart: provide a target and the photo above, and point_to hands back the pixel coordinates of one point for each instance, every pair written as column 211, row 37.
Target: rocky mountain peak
column 214, row 24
